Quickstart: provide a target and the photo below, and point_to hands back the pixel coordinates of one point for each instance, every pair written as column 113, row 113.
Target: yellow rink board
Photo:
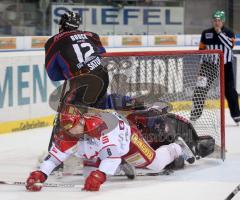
column 20, row 125
column 13, row 126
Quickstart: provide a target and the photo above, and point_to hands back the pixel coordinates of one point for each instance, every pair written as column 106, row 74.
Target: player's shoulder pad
column 56, row 38
column 49, row 42
column 93, row 35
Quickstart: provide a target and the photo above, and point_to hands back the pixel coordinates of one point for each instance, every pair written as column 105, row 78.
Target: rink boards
column 25, row 88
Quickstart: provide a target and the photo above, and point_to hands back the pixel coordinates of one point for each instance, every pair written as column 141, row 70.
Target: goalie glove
column 35, row 177
column 94, row 181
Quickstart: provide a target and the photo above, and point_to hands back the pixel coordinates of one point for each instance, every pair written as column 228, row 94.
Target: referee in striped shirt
column 217, row 37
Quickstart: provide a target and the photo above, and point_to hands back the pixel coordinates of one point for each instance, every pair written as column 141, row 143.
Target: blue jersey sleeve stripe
column 53, row 71
column 65, row 66
column 101, row 50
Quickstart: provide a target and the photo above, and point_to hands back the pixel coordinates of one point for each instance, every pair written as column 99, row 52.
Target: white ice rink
column 206, row 179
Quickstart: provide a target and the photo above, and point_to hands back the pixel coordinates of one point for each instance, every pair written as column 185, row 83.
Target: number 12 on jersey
column 83, row 51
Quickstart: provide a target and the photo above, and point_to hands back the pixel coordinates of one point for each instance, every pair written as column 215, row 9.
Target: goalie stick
column 233, row 193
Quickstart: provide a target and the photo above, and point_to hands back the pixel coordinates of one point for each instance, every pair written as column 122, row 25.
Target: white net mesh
column 190, row 81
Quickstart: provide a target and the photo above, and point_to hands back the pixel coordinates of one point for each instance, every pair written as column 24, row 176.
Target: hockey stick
column 161, row 173
column 68, row 185
column 233, row 193
column 61, row 185
column 56, row 120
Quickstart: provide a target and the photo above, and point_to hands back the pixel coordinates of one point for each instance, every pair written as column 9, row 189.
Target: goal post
column 192, row 81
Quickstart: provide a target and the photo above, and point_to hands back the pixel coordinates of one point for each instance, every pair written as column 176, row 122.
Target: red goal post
column 191, row 80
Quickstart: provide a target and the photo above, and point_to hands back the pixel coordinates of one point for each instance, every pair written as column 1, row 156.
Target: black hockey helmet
column 69, row 21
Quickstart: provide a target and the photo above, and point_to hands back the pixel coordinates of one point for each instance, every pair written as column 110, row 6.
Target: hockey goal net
column 191, row 81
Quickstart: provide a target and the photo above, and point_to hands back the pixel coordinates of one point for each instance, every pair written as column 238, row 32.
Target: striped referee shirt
column 224, row 41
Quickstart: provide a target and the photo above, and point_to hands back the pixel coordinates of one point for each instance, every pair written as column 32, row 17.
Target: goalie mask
column 69, row 21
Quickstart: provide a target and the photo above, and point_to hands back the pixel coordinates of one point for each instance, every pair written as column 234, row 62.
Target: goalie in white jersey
column 106, row 138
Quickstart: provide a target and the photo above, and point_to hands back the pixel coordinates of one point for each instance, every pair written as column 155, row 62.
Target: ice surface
column 206, row 179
